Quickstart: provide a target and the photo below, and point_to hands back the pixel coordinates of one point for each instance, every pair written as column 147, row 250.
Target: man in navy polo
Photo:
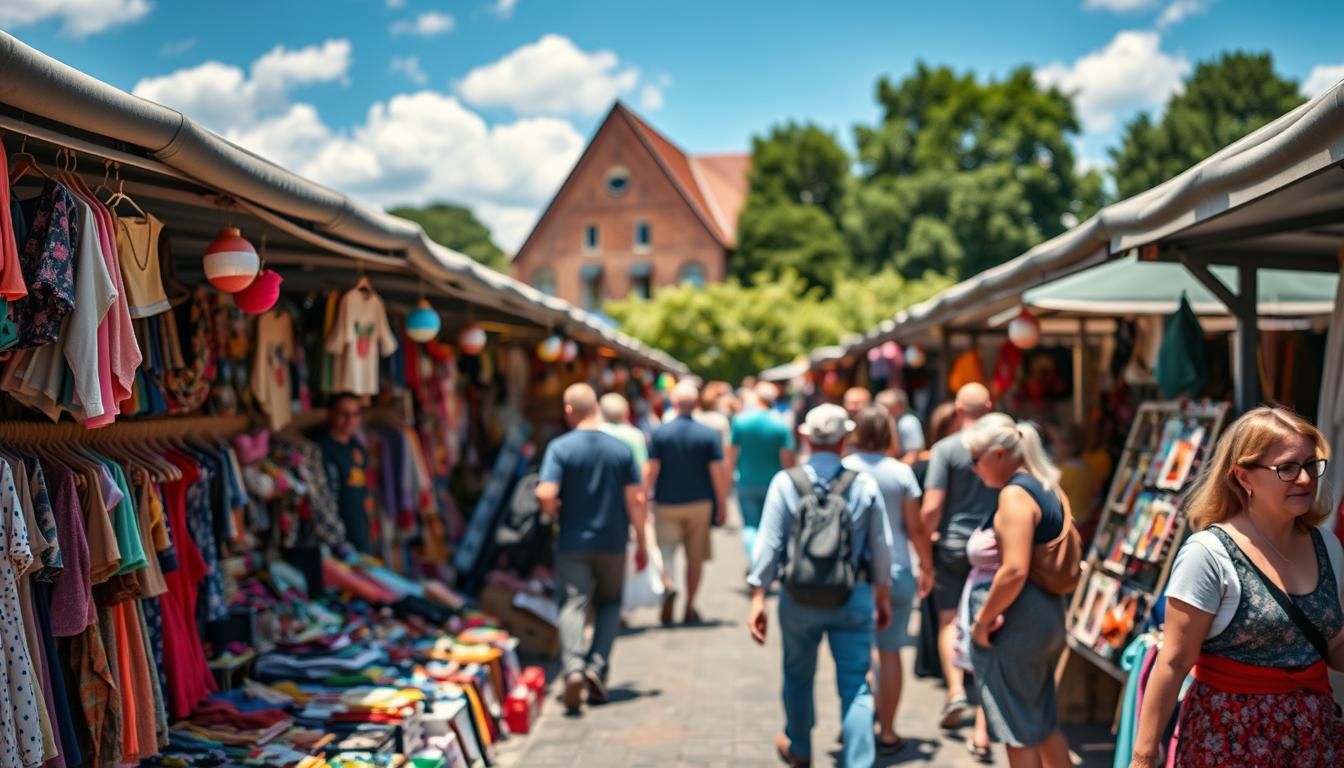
column 688, row 482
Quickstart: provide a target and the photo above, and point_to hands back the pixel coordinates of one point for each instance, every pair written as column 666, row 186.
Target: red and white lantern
column 230, row 262
column 1025, row 330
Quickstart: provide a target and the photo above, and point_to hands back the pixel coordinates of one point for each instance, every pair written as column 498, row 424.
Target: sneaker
column 597, row 690
column 574, row 685
column 954, row 712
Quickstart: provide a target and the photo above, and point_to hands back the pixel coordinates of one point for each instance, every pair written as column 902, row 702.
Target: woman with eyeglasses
column 1255, row 607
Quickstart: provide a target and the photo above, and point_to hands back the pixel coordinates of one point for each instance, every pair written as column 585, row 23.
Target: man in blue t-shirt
column 761, row 445
column 689, row 485
column 589, row 483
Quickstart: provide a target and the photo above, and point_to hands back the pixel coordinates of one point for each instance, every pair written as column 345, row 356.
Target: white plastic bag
column 643, row 589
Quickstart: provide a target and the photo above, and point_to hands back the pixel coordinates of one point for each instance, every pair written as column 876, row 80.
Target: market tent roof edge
column 41, row 86
column 1296, row 146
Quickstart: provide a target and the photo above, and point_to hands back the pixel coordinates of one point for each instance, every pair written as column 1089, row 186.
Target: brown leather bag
column 1056, row 565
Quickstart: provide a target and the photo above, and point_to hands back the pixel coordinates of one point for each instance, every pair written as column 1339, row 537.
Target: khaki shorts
column 685, row 524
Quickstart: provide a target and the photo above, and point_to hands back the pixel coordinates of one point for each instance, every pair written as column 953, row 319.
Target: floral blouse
column 48, row 263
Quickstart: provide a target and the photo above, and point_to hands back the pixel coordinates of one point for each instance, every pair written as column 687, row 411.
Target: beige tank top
column 138, row 252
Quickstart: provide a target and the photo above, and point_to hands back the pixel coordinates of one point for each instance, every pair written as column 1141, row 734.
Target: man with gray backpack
column 824, row 534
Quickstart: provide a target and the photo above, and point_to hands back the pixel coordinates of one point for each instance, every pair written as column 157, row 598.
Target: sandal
column 982, row 755
column 889, row 748
column 954, row 712
column 669, row 602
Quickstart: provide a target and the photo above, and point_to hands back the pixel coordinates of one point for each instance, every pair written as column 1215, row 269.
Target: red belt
column 1236, row 677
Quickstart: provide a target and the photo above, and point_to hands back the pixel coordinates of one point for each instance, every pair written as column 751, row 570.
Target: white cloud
column 1321, row 79
column 1178, row 11
column 1131, row 73
column 396, row 3
column 504, row 8
column 650, row 98
column 509, row 225
column 410, row 67
column 427, row 24
column 550, row 76
column 79, row 18
column 177, row 47
column 1119, row 6
column 221, row 96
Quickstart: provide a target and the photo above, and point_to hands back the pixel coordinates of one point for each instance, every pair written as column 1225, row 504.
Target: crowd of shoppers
column 979, row 521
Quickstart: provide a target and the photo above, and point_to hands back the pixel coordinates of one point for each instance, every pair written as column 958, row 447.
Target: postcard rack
column 1142, row 525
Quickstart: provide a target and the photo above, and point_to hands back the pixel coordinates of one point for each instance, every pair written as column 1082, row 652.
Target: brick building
column 636, row 213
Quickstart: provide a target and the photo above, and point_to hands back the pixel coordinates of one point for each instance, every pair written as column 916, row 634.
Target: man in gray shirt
column 849, row 629
column 956, row 502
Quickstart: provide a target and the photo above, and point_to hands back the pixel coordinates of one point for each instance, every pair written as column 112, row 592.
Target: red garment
column 1230, row 676
column 1296, row 729
column 12, row 286
column 189, row 678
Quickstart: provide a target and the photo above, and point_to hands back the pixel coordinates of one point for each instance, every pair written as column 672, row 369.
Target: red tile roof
column 715, row 186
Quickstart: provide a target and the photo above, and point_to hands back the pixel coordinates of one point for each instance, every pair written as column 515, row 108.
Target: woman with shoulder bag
column 1030, row 552
column 1255, row 606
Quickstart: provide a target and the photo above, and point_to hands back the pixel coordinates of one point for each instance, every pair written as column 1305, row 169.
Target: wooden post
column 1245, row 362
column 1080, row 374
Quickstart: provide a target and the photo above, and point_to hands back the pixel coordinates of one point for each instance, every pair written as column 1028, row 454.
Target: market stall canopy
column 1130, row 287
column 1275, row 197
column 168, row 157
column 786, row 372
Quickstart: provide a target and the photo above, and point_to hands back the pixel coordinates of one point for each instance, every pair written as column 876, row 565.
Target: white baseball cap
column 827, row 424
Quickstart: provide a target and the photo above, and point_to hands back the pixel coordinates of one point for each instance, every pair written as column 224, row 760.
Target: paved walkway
column 709, row 696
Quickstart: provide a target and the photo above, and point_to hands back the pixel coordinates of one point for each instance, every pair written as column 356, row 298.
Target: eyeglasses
column 1289, row 471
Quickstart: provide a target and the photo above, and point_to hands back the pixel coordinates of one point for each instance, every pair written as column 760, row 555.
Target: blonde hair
column 1217, row 496
column 1021, row 440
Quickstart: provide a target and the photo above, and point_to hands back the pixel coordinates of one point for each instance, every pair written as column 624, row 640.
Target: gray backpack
column 820, row 572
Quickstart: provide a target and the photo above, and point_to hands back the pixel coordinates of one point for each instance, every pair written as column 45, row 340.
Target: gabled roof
column 714, row 186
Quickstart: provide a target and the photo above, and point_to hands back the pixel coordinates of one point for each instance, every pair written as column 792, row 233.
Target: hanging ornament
column 1024, row 330
column 261, row 294
column 230, row 262
column 666, row 381
column 874, row 354
column 607, row 379
column 891, row 350
column 472, row 339
column 914, row 356
column 550, row 349
column 570, row 352
column 422, row 324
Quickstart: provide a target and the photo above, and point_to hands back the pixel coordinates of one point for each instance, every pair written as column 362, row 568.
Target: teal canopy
column 1132, row 287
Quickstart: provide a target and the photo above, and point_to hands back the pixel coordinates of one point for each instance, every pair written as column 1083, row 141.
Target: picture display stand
column 1142, row 525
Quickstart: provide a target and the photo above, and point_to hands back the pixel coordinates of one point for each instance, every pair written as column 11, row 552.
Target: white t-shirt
column 359, row 335
column 898, row 485
column 1205, row 577
column 271, row 382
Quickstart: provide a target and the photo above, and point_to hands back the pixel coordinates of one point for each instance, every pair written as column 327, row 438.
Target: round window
column 618, row 180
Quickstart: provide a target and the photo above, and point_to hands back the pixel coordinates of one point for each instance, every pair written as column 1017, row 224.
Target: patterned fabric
column 187, row 387
column 321, row 500
column 20, row 732
column 1293, row 729
column 1260, row 632
column 201, row 527
column 97, row 696
column 46, row 519
column 48, row 261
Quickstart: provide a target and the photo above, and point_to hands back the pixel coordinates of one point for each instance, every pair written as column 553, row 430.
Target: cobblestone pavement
column 709, row 696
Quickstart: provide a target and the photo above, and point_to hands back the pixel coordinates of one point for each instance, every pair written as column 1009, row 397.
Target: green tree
column 960, row 175
column 1223, row 100
column 717, row 330
column 791, row 220
column 455, row 227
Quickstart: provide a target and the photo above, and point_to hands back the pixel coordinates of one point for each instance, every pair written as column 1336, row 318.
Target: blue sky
column 489, row 102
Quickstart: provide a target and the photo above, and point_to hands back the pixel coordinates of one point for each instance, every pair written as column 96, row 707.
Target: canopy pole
column 1080, row 374
column 1242, row 306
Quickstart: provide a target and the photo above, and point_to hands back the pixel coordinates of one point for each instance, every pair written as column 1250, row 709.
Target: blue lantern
column 422, row 324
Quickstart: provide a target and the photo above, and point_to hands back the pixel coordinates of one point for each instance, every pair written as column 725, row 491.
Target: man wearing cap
column 849, row 629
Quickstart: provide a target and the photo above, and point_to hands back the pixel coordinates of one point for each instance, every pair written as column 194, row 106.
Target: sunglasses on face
column 1289, row 471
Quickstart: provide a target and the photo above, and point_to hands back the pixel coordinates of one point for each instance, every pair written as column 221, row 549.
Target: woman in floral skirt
column 1255, row 606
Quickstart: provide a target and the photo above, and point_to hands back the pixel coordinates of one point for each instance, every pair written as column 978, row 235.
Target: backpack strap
column 841, row 482
column 802, row 481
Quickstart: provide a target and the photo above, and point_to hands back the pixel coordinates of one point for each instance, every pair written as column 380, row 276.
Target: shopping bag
column 643, row 589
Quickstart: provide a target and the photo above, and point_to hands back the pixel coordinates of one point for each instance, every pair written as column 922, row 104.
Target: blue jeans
column 849, row 633
column 752, row 503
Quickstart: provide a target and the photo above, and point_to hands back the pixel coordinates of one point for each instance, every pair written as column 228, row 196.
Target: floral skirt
column 1299, row 729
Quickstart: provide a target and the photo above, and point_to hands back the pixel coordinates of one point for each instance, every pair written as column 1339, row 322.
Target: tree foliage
column 1223, row 100
column 455, row 227
column 718, row 330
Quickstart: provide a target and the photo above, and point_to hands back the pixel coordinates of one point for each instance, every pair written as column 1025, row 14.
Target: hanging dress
column 20, row 729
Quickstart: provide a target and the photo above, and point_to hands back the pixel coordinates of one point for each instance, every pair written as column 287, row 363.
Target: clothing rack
column 32, row 432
